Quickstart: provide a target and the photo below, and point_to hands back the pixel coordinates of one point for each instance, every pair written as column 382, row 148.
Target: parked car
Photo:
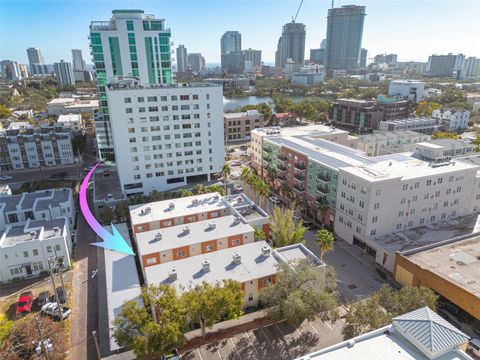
column 61, row 296
column 24, row 303
column 234, row 176
column 52, row 309
column 275, row 200
column 6, row 177
column 43, row 298
column 449, row 307
column 237, row 189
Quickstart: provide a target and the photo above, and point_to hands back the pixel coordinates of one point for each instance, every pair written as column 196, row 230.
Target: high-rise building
column 196, row 62
column 230, row 42
column 255, row 56
column 291, row 44
column 182, row 65
column 130, row 44
column 363, row 58
column 344, row 37
column 389, row 59
column 64, row 73
column 35, row 56
column 445, row 65
column 10, row 70
column 317, row 56
column 78, row 65
column 233, row 62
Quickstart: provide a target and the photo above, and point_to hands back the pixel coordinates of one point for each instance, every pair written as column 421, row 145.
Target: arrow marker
column 113, row 242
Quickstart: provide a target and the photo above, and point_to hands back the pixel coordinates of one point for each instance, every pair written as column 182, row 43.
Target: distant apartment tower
column 411, row 90
column 196, row 62
column 344, row 37
column 131, row 43
column 233, row 62
column 10, row 70
column 389, row 59
column 291, row 45
column 255, row 56
column 230, row 42
column 317, row 56
column 445, row 65
column 64, row 73
column 363, row 58
column 35, row 56
column 78, row 65
column 182, row 65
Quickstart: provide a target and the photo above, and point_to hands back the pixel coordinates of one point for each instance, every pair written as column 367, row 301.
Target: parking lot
column 274, row 341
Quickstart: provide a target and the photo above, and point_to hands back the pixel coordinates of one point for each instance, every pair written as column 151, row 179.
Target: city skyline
column 70, row 33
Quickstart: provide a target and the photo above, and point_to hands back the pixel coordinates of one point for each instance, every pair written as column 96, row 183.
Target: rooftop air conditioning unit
column 33, row 234
column 239, row 200
column 212, row 225
column 171, row 206
column 195, row 202
column 237, row 258
column 56, row 229
column 172, row 274
column 158, row 236
column 205, row 265
column 266, row 250
column 186, row 229
column 216, row 198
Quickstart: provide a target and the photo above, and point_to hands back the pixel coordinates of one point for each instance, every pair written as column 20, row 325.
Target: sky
column 413, row 29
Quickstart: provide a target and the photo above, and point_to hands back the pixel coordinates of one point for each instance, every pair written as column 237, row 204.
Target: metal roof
column 430, row 331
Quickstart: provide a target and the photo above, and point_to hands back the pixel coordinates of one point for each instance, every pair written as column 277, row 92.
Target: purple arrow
column 113, row 242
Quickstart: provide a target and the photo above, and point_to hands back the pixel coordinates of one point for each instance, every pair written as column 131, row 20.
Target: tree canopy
column 301, row 291
column 445, row 135
column 379, row 309
column 325, row 240
column 284, row 230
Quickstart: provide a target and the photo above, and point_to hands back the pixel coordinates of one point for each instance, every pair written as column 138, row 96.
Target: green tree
column 305, row 110
column 185, row 193
column 445, row 135
column 245, row 175
column 259, row 235
column 425, row 108
column 379, row 309
column 121, row 212
column 325, row 240
column 207, row 304
column 4, row 112
column 215, row 188
column 225, row 173
column 284, row 230
column 263, row 108
column 137, row 330
column 199, row 189
column 106, row 215
column 301, row 291
column 283, row 103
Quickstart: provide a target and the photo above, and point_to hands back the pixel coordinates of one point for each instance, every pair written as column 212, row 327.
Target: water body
column 233, row 102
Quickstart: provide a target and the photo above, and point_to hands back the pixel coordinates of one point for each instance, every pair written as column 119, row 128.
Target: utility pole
column 61, row 273
column 42, row 340
column 52, row 276
column 97, row 347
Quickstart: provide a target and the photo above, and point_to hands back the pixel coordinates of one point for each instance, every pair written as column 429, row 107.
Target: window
column 181, row 254
column 152, row 99
column 141, row 99
column 49, row 249
column 25, row 254
column 250, row 296
column 184, row 97
column 151, row 261
column 267, row 281
column 128, row 110
column 35, row 252
column 235, row 242
column 127, row 100
column 208, row 248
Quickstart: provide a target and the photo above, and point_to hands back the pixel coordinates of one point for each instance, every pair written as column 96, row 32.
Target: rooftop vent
column 266, row 250
column 172, row 274
column 239, row 200
column 236, row 221
column 56, row 229
column 205, row 265
column 237, row 258
column 195, row 202
column 171, row 206
column 33, row 234
column 186, row 229
column 158, row 236
column 212, row 225
column 351, row 343
column 216, row 198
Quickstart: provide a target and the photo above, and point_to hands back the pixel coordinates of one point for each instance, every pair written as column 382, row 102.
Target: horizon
column 382, row 34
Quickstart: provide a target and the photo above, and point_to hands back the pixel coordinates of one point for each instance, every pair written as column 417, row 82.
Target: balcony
column 283, row 157
column 323, row 189
column 299, row 176
column 322, row 201
column 300, row 166
column 267, row 149
column 324, row 177
column 281, row 177
column 281, row 167
column 267, row 158
column 298, row 188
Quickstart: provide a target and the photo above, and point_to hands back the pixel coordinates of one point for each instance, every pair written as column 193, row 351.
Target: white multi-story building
column 168, row 135
column 64, row 73
column 394, row 195
column 421, row 125
column 26, row 250
column 78, row 65
column 71, row 121
column 131, row 43
column 16, row 210
column 412, row 90
column 10, row 70
column 24, row 146
column 454, row 120
column 442, row 149
column 389, row 142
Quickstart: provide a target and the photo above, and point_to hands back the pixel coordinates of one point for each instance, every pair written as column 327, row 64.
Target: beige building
column 239, row 125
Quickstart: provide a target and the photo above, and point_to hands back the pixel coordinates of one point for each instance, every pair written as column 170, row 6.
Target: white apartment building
column 168, row 136
column 71, row 121
column 25, row 250
column 389, row 142
column 45, row 205
column 64, row 73
column 61, row 106
column 441, row 149
column 131, row 43
column 412, row 90
column 391, row 196
column 23, row 146
column 454, row 120
column 422, row 125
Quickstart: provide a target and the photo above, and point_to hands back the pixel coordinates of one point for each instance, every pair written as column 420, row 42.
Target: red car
column 24, row 304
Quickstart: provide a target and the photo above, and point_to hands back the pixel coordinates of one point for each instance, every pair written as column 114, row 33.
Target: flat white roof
column 254, row 265
column 69, row 117
column 160, row 210
column 122, row 283
column 313, row 130
column 61, row 101
column 200, row 231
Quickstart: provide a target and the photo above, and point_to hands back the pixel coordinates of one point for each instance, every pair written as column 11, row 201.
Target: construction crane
column 298, row 10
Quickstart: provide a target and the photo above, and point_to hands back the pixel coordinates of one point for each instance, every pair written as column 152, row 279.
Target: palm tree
column 263, row 191
column 325, row 241
column 225, row 173
column 215, row 188
column 185, row 192
column 245, row 175
column 199, row 189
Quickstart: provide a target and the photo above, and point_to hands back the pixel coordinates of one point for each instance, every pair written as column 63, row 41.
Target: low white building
column 389, row 142
column 71, row 121
column 26, row 250
column 308, row 78
column 166, row 136
column 454, row 120
column 442, row 149
column 48, row 204
column 422, row 125
column 71, row 105
column 418, row 335
column 412, row 90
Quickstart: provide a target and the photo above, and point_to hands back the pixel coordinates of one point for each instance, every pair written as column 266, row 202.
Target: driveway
column 274, row 341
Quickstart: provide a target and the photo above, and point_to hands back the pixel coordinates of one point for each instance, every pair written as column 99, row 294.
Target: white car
column 6, row 177
column 274, row 200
